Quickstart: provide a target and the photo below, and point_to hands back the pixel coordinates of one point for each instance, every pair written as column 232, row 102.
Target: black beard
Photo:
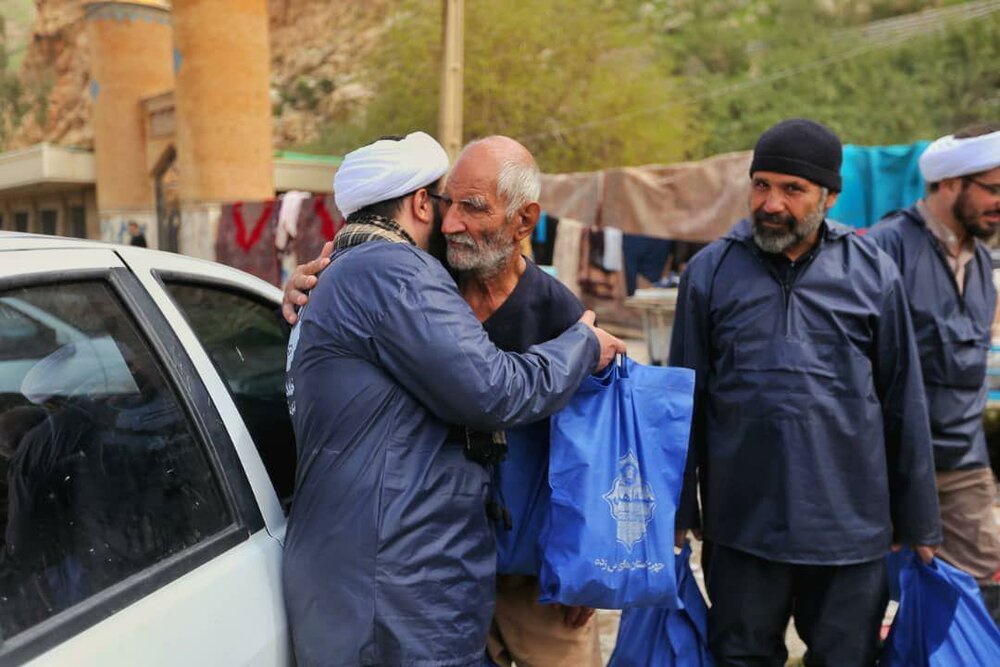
column 969, row 222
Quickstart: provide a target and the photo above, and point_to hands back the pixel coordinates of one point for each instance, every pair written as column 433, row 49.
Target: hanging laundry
column 595, row 247
column 289, row 208
column 606, row 248
column 645, row 256
column 319, row 222
column 543, row 240
column 593, row 278
column 288, row 216
column 612, row 260
column 246, row 239
column 566, row 253
column 695, row 200
column 876, row 181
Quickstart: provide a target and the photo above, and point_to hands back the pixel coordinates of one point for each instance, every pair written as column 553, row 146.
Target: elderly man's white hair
column 519, row 182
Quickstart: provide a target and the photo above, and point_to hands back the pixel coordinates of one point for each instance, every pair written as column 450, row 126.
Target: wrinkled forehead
column 472, row 177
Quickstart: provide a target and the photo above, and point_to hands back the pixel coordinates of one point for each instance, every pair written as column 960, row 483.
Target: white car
column 146, row 458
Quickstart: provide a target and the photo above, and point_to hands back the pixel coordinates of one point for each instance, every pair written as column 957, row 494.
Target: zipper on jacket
column 788, row 283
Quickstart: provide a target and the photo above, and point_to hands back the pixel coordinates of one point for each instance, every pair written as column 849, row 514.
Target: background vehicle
column 146, row 458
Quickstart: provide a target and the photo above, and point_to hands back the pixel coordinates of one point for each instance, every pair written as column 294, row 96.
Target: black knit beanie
column 800, row 147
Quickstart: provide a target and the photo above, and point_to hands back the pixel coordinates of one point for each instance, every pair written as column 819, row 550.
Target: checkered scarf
column 371, row 228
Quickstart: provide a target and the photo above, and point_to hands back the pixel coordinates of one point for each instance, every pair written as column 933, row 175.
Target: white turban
column 388, row 169
column 949, row 157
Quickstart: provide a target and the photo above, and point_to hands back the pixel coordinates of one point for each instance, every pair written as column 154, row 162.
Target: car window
column 247, row 340
column 101, row 475
column 23, row 337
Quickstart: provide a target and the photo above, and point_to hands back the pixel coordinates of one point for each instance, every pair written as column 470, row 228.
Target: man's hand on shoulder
column 303, row 279
column 610, row 346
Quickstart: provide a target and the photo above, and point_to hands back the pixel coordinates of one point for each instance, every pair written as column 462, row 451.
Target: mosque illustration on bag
column 631, row 500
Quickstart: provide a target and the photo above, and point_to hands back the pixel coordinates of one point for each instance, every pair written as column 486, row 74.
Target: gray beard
column 780, row 240
column 485, row 260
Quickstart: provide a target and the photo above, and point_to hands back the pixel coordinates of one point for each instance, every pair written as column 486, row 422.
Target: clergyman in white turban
column 388, row 169
column 938, row 246
column 962, row 172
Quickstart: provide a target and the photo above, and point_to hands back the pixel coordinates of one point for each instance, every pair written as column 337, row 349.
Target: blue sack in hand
column 941, row 620
column 658, row 637
column 524, row 490
column 616, row 467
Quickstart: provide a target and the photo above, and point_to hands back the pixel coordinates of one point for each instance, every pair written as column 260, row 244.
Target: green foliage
column 534, row 69
column 11, row 108
column 777, row 59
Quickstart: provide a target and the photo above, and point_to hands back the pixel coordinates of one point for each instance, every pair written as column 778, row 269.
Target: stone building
column 181, row 121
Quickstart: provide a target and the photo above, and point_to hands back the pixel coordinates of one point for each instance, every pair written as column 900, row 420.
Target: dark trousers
column 838, row 609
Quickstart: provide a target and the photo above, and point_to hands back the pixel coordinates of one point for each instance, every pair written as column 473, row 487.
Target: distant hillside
column 316, row 47
column 17, row 17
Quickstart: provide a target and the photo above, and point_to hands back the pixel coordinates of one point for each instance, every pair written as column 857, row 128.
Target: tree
column 773, row 59
column 578, row 81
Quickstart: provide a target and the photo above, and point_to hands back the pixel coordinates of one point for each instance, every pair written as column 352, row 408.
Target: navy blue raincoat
column 810, row 437
column 389, row 556
column 953, row 334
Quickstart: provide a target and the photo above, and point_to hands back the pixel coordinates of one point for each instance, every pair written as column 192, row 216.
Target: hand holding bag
column 941, row 620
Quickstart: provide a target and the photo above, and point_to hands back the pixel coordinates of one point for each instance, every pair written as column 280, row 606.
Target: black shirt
column 539, row 309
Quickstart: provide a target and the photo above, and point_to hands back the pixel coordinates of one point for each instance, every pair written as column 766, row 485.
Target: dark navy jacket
column 810, row 438
column 953, row 334
column 389, row 556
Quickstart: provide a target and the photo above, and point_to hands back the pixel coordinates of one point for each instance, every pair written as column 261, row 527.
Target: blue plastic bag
column 659, row 637
column 524, row 490
column 941, row 620
column 616, row 467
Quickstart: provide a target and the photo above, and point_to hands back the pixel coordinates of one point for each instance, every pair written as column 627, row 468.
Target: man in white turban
column 938, row 246
column 389, row 554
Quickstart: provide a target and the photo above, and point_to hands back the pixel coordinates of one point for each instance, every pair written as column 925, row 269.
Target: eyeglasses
column 441, row 199
column 992, row 188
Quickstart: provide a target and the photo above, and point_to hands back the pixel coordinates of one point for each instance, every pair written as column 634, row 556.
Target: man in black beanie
column 810, row 445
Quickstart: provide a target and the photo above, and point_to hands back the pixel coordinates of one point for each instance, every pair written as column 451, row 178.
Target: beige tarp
column 690, row 201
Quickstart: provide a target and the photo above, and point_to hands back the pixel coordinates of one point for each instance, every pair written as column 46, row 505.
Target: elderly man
column 810, row 441
column 949, row 284
column 490, row 206
column 389, row 556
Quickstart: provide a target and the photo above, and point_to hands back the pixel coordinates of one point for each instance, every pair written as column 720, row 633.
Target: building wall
column 223, row 109
column 131, row 52
column 70, row 212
